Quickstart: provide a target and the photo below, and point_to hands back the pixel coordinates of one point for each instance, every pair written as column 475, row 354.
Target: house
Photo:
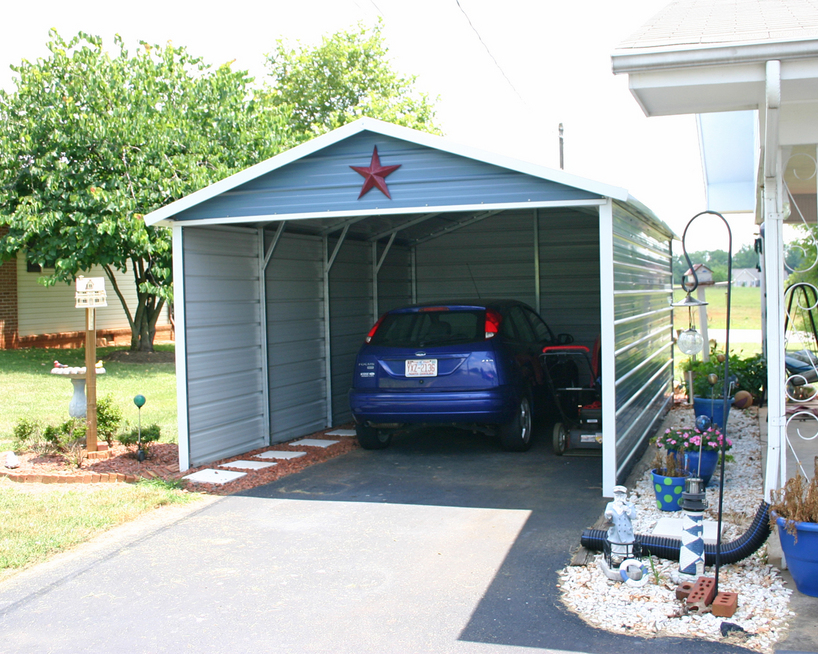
column 33, row 315
column 281, row 269
column 746, row 277
column 750, row 69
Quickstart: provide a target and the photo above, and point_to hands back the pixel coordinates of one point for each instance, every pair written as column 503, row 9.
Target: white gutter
column 648, row 60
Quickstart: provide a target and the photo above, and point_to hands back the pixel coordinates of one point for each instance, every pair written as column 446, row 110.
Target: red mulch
column 163, row 462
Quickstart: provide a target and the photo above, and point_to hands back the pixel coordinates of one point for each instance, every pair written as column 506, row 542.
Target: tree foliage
column 90, row 141
column 716, row 260
column 346, row 77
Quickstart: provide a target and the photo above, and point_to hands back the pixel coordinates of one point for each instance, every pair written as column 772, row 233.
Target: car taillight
column 493, row 320
column 372, row 331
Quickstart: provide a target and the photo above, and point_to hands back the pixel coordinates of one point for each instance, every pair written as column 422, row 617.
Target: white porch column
column 774, row 273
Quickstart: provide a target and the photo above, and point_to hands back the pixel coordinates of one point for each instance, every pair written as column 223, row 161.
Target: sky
column 506, row 75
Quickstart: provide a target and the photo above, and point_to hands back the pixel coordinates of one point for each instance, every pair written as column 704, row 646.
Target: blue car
column 472, row 364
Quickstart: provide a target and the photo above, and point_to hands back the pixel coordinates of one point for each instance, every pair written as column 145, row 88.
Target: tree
column 346, row 77
column 91, row 141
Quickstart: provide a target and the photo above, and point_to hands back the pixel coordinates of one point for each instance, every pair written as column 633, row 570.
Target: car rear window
column 431, row 328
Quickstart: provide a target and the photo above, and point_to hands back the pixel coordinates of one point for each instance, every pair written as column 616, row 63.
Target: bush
column 30, row 435
column 26, row 433
column 109, row 418
column 748, row 374
column 150, row 434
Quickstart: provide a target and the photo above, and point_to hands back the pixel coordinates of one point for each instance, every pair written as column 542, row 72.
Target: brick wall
column 8, row 301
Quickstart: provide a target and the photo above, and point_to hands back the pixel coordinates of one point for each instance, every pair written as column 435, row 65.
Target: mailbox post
column 89, row 295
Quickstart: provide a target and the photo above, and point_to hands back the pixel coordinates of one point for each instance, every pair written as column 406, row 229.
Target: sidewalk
column 803, row 636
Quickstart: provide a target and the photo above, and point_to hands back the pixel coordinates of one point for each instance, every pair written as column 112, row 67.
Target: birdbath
column 77, row 407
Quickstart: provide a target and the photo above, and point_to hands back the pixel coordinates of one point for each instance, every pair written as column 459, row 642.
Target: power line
column 496, row 63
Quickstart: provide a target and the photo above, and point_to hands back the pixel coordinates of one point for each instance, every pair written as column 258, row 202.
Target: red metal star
column 375, row 175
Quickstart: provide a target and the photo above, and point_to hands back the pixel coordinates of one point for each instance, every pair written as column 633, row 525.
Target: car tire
column 559, row 439
column 515, row 436
column 372, row 438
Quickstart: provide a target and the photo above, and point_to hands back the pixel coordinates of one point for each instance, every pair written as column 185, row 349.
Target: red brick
column 103, row 477
column 120, row 477
column 48, row 479
column 725, row 604
column 701, row 596
column 683, row 590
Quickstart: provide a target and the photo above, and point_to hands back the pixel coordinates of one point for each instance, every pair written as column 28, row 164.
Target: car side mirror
column 565, row 339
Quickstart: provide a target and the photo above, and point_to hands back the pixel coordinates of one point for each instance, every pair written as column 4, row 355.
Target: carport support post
column 328, row 261
column 537, row 289
column 376, row 268
column 607, row 344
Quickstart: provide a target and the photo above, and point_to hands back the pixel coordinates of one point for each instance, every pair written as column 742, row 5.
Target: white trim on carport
column 385, row 129
column 356, row 215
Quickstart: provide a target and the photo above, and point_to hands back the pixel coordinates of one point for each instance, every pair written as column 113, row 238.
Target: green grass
column 30, row 390
column 745, row 308
column 39, row 522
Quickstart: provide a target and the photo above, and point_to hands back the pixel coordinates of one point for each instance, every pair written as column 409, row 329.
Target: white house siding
column 50, row 309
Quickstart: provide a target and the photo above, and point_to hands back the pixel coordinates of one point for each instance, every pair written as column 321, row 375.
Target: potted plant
column 795, row 513
column 669, row 476
column 689, row 443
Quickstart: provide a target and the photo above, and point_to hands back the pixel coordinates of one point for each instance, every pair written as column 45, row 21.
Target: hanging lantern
column 690, row 341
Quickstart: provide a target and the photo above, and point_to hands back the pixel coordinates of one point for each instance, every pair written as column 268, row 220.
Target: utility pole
column 562, row 145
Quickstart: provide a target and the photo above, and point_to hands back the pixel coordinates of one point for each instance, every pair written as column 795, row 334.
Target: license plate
column 421, row 367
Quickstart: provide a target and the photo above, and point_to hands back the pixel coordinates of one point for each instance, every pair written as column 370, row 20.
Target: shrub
column 749, row 374
column 26, row 433
column 109, row 418
column 150, row 434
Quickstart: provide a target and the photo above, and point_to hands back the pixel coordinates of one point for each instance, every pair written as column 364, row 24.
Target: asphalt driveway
column 442, row 543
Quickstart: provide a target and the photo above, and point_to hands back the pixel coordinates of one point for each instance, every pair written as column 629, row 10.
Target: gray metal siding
column 324, row 181
column 493, row 258
column 643, row 332
column 395, row 279
column 295, row 337
column 569, row 273
column 350, row 318
column 223, row 335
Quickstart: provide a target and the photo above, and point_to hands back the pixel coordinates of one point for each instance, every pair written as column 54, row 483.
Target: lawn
column 30, row 390
column 745, row 307
column 39, row 521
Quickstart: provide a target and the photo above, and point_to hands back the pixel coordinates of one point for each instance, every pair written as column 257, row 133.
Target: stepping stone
column 275, row 454
column 210, row 476
column 340, row 432
column 247, row 465
column 313, row 442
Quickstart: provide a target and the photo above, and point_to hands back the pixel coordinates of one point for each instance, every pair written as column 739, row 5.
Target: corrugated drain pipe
column 668, row 548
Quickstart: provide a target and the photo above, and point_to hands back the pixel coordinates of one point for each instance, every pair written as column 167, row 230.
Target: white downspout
column 773, row 251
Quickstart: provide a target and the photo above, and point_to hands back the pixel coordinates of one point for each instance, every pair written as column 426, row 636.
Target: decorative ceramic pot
column 710, row 459
column 713, row 409
column 668, row 490
column 802, row 556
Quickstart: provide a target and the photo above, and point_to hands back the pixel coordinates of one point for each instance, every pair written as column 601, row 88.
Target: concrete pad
column 340, row 432
column 275, row 454
column 210, row 476
column 313, row 442
column 247, row 465
column 672, row 528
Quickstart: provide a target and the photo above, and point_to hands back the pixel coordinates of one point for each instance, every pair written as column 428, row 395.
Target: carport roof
column 315, row 181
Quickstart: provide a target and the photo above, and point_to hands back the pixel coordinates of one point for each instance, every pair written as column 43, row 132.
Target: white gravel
column 653, row 610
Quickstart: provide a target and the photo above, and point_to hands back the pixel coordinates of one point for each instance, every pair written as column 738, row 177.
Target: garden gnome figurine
column 620, row 534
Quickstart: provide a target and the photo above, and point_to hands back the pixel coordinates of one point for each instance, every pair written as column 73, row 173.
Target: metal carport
column 259, row 363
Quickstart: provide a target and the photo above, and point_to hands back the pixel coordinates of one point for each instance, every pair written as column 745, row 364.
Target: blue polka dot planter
column 668, row 491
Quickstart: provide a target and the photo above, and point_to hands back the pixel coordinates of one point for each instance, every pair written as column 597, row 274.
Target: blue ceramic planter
column 713, row 409
column 802, row 557
column 668, row 491
column 710, row 459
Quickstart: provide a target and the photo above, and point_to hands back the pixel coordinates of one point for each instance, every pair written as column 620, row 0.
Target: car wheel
column 515, row 436
column 372, row 438
column 559, row 439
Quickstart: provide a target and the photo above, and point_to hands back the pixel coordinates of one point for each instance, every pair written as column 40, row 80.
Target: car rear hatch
column 426, row 348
